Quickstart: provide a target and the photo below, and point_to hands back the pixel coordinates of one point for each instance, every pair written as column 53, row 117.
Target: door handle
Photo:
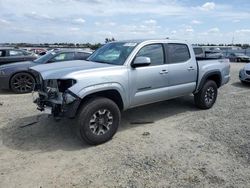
column 191, row 68
column 163, row 72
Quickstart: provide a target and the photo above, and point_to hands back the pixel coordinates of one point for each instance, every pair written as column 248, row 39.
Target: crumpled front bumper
column 59, row 104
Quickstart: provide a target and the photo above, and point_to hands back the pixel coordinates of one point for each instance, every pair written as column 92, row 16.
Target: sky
column 81, row 21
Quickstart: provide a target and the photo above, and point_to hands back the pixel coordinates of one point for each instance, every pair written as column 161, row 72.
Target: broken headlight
column 63, row 85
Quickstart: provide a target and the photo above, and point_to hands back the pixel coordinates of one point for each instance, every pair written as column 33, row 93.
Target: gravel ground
column 168, row 144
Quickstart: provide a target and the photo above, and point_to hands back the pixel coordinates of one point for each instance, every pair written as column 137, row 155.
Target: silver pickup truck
column 123, row 75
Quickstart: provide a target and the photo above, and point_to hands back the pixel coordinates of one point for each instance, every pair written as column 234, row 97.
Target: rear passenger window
column 154, row 52
column 178, row 53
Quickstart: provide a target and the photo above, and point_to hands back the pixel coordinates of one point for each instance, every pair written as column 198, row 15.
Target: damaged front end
column 54, row 97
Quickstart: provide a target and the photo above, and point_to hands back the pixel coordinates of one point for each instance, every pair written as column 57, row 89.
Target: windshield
column 45, row 58
column 113, row 53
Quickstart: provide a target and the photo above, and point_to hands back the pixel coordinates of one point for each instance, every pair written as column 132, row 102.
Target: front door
column 149, row 83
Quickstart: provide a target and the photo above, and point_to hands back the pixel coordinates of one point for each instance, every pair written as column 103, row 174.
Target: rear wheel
column 22, row 83
column 206, row 97
column 98, row 121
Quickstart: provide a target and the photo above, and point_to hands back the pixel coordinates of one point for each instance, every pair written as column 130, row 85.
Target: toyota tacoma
column 123, row 75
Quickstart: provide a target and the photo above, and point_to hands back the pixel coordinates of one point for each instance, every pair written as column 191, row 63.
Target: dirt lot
column 181, row 147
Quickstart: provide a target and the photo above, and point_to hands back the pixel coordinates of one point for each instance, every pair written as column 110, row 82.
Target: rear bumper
column 4, row 82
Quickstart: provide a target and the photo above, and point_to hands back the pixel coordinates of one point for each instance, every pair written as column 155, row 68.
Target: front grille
column 248, row 72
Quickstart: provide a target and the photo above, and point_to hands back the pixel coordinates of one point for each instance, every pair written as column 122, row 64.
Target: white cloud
column 142, row 29
column 36, row 16
column 73, row 29
column 105, row 24
column 79, row 20
column 111, row 23
column 214, row 30
column 196, row 22
column 151, row 21
column 173, row 32
column 4, row 22
column 236, row 21
column 188, row 29
column 246, row 31
column 208, row 6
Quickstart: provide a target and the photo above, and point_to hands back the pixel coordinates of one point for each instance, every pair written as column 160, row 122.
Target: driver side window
column 154, row 52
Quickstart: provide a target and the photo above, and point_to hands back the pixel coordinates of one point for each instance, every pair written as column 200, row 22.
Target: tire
column 22, row 83
column 207, row 96
column 98, row 121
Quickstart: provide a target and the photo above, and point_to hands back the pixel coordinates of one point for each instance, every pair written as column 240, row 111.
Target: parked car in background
column 201, row 53
column 244, row 74
column 38, row 51
column 16, row 76
column 238, row 57
column 213, row 54
column 9, row 55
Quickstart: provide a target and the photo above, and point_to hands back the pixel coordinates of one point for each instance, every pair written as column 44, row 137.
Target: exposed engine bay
column 53, row 96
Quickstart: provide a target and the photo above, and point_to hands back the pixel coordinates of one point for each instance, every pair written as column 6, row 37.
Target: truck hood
column 67, row 68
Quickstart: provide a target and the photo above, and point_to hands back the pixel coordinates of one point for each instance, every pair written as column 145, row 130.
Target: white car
column 244, row 74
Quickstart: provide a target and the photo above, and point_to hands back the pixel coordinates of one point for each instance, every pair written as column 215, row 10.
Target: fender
column 103, row 87
column 206, row 76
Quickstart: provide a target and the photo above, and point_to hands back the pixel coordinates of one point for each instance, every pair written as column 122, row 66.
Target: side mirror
column 141, row 61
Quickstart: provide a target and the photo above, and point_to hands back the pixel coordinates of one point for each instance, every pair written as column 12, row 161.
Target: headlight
column 63, row 85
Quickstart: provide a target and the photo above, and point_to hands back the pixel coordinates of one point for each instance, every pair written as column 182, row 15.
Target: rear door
column 182, row 69
column 149, row 83
column 16, row 55
column 10, row 56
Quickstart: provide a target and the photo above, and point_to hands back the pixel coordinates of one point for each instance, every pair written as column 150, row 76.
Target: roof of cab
column 148, row 40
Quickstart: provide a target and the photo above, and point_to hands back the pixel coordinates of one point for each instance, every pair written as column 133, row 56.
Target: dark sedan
column 8, row 55
column 18, row 78
column 238, row 57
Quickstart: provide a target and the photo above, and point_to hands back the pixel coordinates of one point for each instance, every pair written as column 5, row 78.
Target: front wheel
column 98, row 121
column 206, row 97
